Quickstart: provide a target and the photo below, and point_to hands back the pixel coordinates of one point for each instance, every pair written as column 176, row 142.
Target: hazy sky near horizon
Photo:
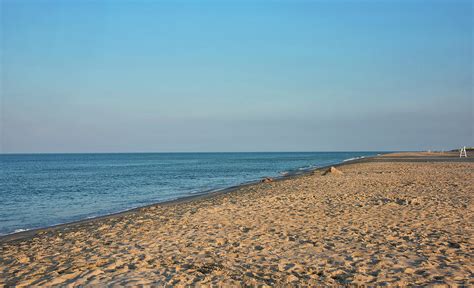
column 117, row 76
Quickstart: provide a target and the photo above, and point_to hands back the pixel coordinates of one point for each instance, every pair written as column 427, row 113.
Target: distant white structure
column 462, row 152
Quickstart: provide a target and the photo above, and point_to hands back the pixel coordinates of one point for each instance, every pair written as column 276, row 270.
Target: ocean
column 41, row 190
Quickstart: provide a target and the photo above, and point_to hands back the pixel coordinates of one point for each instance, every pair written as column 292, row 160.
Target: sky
column 189, row 76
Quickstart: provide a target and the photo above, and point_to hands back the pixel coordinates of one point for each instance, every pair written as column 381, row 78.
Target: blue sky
column 116, row 76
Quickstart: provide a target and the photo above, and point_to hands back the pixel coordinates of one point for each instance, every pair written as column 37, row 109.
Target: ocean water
column 40, row 190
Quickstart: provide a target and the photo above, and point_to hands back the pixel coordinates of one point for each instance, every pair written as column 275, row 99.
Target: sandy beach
column 394, row 220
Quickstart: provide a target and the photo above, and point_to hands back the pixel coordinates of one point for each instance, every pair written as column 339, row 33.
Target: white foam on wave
column 354, row 158
column 307, row 167
column 20, row 230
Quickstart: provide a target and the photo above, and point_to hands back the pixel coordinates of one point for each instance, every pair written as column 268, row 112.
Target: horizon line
column 211, row 152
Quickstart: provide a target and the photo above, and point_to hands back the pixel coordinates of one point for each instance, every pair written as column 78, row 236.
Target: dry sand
column 377, row 223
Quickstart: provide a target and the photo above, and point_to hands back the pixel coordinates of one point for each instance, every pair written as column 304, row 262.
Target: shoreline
column 26, row 234
column 373, row 222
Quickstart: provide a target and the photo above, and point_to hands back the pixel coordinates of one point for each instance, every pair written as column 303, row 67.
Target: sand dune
column 377, row 223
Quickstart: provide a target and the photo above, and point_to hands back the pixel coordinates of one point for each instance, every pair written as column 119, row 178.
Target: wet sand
column 396, row 222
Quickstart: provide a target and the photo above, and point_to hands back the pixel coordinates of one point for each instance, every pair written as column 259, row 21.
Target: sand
column 377, row 223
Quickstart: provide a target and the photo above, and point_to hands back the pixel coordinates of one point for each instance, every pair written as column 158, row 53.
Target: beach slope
column 395, row 222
